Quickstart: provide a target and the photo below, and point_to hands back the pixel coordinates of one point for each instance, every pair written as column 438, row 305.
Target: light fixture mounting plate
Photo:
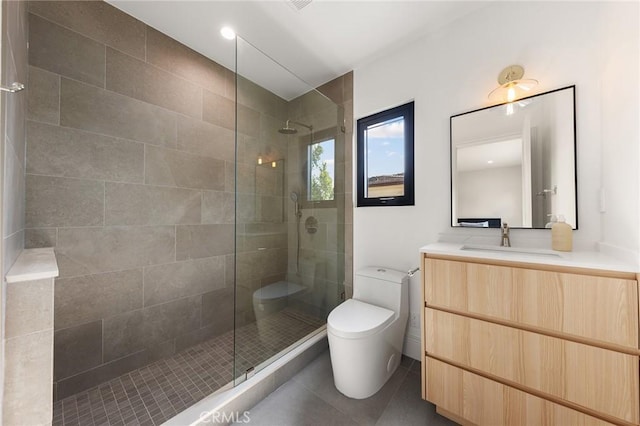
column 510, row 73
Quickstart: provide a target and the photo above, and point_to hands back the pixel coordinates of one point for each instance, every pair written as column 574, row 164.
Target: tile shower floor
column 155, row 393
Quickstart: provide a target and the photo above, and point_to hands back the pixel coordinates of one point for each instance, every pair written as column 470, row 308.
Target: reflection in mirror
column 515, row 163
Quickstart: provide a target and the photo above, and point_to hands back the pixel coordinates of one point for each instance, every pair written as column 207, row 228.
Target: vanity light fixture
column 512, row 85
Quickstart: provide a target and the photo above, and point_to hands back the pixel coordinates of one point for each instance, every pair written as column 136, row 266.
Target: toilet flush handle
column 412, row 272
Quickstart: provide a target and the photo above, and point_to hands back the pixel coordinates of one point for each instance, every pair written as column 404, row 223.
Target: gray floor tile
column 292, row 404
column 155, row 393
column 407, row 407
column 318, row 378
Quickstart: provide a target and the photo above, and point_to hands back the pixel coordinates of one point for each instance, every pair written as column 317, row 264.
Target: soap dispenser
column 561, row 235
column 552, row 219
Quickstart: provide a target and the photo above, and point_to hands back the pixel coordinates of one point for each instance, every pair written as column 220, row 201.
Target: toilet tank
column 383, row 287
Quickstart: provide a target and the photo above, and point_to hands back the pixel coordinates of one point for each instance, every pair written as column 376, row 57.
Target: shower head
column 294, row 196
column 288, row 130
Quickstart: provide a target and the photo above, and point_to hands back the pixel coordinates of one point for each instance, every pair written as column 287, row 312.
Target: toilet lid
column 354, row 319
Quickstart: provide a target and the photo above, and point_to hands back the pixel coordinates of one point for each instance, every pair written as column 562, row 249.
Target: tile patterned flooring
column 311, row 399
column 155, row 393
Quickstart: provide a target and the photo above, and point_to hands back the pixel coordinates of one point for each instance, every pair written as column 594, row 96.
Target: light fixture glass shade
column 512, row 85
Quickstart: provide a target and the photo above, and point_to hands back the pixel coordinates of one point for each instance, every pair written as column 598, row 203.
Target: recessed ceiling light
column 228, row 33
column 490, row 162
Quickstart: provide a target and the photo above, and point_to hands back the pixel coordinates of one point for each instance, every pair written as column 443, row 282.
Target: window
column 385, row 158
column 321, row 159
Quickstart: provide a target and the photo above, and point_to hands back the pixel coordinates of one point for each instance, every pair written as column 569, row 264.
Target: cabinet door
column 484, row 402
column 599, row 379
column 600, row 310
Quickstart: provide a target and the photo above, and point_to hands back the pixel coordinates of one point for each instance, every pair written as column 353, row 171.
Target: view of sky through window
column 385, row 148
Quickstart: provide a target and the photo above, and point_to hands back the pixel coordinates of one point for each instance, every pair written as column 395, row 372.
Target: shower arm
column 300, row 124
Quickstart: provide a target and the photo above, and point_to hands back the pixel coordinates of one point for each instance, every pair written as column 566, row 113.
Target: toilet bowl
column 366, row 332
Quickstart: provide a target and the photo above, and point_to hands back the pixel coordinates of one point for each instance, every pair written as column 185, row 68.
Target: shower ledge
column 33, row 264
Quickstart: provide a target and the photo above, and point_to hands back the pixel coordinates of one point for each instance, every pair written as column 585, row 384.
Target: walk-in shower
column 187, row 270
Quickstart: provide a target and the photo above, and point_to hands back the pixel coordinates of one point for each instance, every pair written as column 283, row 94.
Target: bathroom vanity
column 529, row 337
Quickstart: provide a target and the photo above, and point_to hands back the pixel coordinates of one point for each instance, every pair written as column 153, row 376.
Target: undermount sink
column 511, row 250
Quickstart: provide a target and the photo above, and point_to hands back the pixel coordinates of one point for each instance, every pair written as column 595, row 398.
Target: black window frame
column 408, row 199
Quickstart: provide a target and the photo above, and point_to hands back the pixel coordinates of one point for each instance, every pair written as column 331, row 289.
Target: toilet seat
column 354, row 319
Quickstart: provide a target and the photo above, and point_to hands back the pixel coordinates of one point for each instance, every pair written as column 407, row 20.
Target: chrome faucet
column 505, row 242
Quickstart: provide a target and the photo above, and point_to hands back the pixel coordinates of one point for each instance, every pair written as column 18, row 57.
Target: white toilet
column 366, row 333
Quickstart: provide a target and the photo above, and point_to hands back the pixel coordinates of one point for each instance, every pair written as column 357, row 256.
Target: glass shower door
column 289, row 211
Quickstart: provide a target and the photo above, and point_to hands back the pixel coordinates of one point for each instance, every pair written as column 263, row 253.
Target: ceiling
column 489, row 156
column 318, row 43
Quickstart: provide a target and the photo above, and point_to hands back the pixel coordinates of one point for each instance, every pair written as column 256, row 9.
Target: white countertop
column 33, row 264
column 576, row 259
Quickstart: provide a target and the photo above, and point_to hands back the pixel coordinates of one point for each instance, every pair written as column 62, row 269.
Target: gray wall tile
column 167, row 53
column 83, row 251
column 43, row 96
column 40, row 237
column 12, row 247
column 219, row 110
column 198, row 241
column 127, row 204
column 133, row 331
column 53, row 201
column 201, row 138
column 123, row 335
column 62, row 151
column 218, row 309
column 260, row 99
column 97, row 20
column 137, row 79
column 28, row 393
column 15, row 109
column 89, row 108
column 217, row 207
column 29, row 307
column 77, row 349
column 171, row 319
column 163, row 283
column 16, row 30
column 14, row 193
column 185, row 341
column 175, row 168
column 93, row 297
column 110, row 370
column 65, row 52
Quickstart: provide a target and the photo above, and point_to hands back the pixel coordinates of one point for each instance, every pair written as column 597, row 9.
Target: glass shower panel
column 289, row 227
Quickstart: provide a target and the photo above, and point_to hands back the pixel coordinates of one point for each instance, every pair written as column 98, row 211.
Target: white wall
column 591, row 45
column 491, row 193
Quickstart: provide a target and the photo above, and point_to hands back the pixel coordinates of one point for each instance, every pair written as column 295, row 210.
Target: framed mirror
column 515, row 163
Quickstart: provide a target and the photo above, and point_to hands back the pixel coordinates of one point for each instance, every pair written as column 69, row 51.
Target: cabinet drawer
column 484, row 402
column 600, row 310
column 599, row 379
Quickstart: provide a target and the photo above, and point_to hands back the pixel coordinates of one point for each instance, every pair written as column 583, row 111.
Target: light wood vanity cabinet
column 513, row 343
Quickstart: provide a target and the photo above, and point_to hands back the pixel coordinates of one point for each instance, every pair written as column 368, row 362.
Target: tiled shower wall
column 130, row 176
column 325, row 245
column 12, row 160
